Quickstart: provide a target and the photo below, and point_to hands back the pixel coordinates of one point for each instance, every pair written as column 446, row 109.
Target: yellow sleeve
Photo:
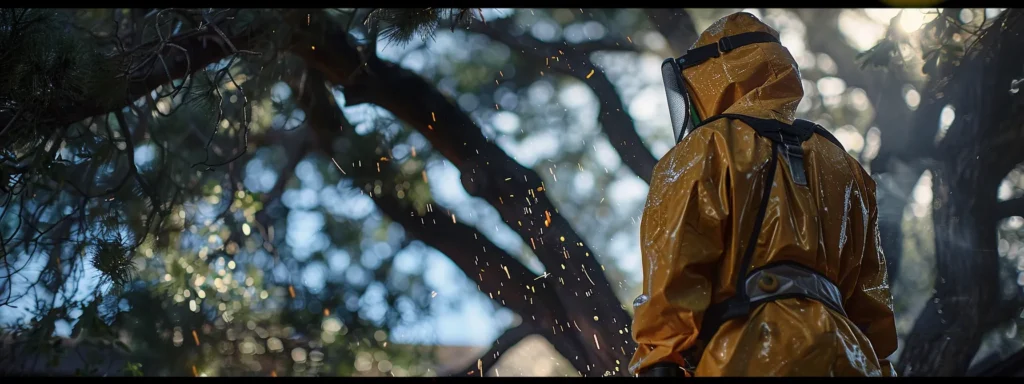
column 683, row 235
column 870, row 305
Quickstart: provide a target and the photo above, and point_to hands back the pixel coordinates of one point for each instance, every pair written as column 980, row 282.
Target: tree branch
column 524, row 41
column 178, row 57
column 507, row 281
column 296, row 152
column 1010, row 208
column 573, row 60
column 509, row 338
column 676, row 25
column 488, row 172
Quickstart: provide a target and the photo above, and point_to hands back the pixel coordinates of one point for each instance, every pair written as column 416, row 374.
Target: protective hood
column 759, row 78
column 705, row 197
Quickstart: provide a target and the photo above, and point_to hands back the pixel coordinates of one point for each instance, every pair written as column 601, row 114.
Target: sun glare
column 912, row 19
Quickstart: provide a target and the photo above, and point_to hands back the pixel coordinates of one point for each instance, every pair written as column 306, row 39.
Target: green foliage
column 46, row 70
column 132, row 369
column 189, row 259
column 400, row 25
column 114, row 259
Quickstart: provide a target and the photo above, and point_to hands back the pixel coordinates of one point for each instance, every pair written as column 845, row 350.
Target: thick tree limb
column 507, row 281
column 517, row 192
column 1010, row 208
column 573, row 60
column 993, row 365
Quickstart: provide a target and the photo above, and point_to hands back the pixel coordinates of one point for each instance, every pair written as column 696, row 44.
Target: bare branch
column 1010, row 208
column 509, row 338
column 551, row 50
column 572, row 60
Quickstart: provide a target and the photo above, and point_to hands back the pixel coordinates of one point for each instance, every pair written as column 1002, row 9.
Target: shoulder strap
column 801, row 130
column 788, row 137
column 813, row 128
column 739, row 305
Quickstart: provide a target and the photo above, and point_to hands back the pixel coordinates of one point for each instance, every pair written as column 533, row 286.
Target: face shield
column 680, row 106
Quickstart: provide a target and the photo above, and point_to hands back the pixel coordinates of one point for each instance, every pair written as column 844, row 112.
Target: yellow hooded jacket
column 702, row 203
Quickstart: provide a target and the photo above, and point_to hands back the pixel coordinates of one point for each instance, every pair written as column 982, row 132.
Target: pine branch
column 400, row 25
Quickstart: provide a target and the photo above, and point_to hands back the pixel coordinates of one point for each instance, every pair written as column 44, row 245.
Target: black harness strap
column 704, row 53
column 790, row 138
column 787, row 136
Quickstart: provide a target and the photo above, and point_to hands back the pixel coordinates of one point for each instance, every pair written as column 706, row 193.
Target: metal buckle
column 725, row 44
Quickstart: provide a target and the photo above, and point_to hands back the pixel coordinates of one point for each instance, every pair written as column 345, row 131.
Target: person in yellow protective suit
column 796, row 286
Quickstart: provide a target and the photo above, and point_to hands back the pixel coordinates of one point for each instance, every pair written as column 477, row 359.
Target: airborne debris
column 336, row 165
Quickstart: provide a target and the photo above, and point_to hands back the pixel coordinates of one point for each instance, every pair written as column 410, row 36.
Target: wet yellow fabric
column 701, row 207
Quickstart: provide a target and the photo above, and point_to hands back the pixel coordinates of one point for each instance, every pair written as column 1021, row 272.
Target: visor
column 680, row 109
column 678, row 98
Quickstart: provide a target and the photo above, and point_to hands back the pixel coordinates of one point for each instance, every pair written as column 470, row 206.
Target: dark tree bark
column 980, row 148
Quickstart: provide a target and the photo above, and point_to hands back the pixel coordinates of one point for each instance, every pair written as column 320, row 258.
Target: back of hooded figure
column 819, row 218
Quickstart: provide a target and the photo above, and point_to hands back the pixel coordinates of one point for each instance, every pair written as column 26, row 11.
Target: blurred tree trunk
column 896, row 166
column 980, row 148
